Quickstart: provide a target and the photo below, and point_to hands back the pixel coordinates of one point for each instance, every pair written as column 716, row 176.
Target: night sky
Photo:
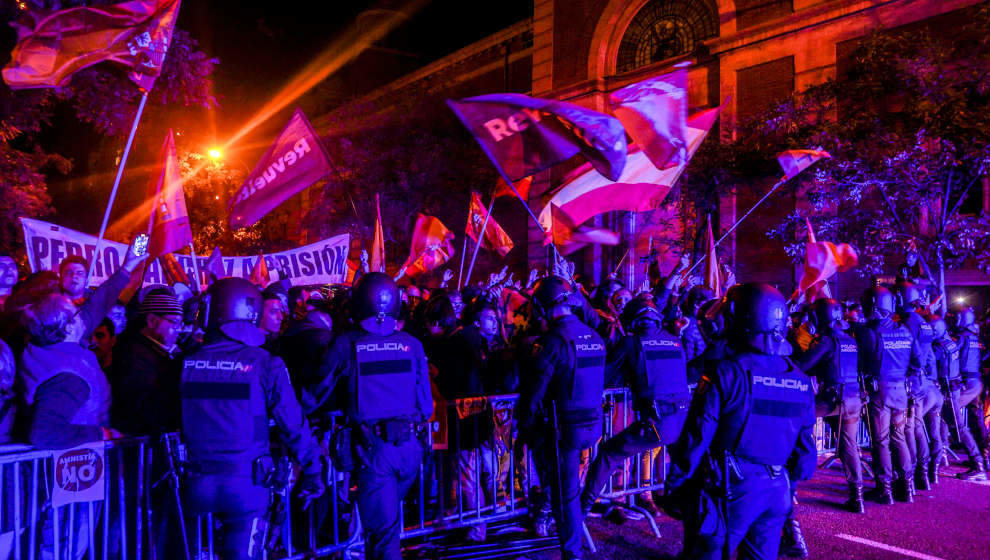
column 261, row 45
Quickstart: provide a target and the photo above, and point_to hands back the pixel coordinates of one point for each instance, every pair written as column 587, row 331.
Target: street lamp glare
column 215, row 153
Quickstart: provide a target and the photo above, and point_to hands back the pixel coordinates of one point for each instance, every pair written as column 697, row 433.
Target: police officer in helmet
column 924, row 425
column 951, row 382
column 383, row 380
column 886, row 351
column 749, row 432
column 967, row 333
column 653, row 365
column 832, row 359
column 562, row 384
column 231, row 388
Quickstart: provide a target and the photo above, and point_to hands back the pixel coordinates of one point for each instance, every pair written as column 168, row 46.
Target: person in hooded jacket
column 64, row 400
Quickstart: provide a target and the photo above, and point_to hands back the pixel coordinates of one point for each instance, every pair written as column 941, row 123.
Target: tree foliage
column 908, row 126
column 417, row 158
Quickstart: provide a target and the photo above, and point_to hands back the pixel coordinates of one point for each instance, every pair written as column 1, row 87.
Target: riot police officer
column 924, row 425
column 951, row 381
column 652, row 363
column 832, row 359
column 562, row 386
column 231, row 389
column 749, row 431
column 967, row 333
column 885, row 353
column 384, row 385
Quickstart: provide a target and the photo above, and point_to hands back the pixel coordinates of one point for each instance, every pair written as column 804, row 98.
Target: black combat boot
column 934, row 469
column 855, row 502
column 921, row 481
column 886, row 494
column 975, row 471
column 904, row 489
column 792, row 543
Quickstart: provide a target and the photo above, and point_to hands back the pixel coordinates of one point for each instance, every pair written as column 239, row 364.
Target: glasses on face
column 175, row 322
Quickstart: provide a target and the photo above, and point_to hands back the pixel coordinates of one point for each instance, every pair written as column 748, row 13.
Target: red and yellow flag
column 376, row 261
column 432, row 246
column 259, row 274
column 822, row 259
column 713, row 274
column 495, row 238
column 52, row 46
column 170, row 230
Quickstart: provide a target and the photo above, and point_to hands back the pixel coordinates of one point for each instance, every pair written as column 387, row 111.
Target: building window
column 664, row 29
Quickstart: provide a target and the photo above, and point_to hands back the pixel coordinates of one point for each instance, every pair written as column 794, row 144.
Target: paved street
column 951, row 523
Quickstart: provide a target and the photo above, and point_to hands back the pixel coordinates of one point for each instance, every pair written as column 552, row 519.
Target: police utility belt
column 740, row 467
column 659, row 409
column 394, row 430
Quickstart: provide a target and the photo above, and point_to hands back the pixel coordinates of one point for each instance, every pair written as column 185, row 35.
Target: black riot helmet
column 878, row 303
column 939, row 327
column 695, row 298
column 233, row 299
column 759, row 318
column 375, row 302
column 907, row 296
column 550, row 292
column 965, row 318
column 639, row 310
column 720, row 313
column 826, row 315
column 232, row 306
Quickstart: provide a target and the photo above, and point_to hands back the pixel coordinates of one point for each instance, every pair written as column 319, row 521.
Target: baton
column 726, row 551
column 559, row 485
column 173, row 479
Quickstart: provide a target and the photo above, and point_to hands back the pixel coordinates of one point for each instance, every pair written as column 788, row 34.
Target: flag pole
column 553, row 246
column 192, row 251
column 773, row 189
column 481, row 238
column 116, row 184
column 622, row 260
column 460, row 271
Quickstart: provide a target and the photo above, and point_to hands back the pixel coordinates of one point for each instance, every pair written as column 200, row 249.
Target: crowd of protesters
column 79, row 365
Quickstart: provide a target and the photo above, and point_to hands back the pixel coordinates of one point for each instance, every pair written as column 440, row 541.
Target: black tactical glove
column 309, row 488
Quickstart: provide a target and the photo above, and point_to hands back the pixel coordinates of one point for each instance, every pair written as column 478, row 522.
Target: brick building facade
column 752, row 51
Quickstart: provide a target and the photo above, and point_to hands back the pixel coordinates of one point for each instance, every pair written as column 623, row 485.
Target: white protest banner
column 79, row 474
column 47, row 245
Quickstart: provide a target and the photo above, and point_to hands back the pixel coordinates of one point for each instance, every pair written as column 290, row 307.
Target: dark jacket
column 145, row 381
column 65, row 395
column 301, row 346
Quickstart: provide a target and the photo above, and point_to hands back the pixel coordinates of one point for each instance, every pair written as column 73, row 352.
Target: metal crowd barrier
column 478, row 474
column 115, row 526
column 644, row 472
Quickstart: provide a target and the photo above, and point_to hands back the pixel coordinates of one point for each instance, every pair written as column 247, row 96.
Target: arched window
column 664, row 29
